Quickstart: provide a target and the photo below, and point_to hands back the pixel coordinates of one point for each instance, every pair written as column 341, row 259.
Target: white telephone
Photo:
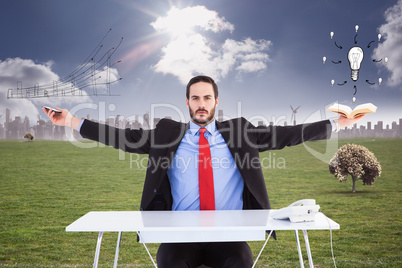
column 299, row 211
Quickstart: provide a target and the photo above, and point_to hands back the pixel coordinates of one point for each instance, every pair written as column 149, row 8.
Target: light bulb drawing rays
column 355, row 56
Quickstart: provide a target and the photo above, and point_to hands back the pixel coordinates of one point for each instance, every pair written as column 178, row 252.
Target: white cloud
column 191, row 52
column 246, row 46
column 251, row 66
column 25, row 73
column 392, row 44
column 14, row 70
column 180, row 20
column 248, row 54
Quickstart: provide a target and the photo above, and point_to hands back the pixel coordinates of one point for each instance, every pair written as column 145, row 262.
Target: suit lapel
column 221, row 127
column 177, row 135
column 228, row 134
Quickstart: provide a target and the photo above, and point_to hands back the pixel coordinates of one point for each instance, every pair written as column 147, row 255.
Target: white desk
column 194, row 226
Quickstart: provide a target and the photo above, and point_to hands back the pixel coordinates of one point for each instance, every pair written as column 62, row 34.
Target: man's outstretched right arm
column 134, row 141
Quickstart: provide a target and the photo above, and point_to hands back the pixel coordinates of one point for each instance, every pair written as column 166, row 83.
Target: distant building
column 400, row 128
column 2, row 132
column 136, row 124
column 110, row 121
column 220, row 115
column 146, row 124
column 156, row 121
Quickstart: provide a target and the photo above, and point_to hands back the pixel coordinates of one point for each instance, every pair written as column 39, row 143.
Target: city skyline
column 16, row 128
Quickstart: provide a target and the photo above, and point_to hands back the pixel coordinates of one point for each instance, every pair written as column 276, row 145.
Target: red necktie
column 205, row 175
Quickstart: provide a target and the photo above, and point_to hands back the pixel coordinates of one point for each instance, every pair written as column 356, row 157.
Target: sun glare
column 176, row 22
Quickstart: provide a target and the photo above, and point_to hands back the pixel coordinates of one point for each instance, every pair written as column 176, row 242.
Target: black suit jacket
column 244, row 140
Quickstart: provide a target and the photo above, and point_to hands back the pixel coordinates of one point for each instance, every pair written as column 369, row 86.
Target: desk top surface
column 225, row 220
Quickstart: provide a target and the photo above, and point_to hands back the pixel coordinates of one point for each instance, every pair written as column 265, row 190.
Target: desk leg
column 145, row 246
column 310, row 259
column 97, row 252
column 299, row 249
column 266, row 241
column 116, row 256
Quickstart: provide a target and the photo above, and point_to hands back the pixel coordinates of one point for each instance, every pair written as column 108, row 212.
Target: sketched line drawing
column 87, row 75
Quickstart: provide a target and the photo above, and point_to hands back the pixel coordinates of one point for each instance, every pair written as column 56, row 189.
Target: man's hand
column 345, row 122
column 63, row 119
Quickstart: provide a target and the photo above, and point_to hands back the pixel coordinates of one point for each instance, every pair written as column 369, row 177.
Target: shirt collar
column 194, row 128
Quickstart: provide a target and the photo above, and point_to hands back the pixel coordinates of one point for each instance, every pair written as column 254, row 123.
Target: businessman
column 203, row 165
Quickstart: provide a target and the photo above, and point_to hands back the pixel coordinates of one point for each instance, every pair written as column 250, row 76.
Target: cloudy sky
column 265, row 56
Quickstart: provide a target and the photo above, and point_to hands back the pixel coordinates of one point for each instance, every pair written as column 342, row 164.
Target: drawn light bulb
column 332, row 82
column 324, row 59
column 379, row 81
column 331, row 34
column 379, row 37
column 356, row 28
column 355, row 58
column 386, row 60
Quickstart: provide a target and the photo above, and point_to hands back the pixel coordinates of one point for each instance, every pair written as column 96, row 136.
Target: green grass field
column 46, row 185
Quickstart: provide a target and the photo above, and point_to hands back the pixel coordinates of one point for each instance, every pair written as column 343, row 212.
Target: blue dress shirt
column 183, row 172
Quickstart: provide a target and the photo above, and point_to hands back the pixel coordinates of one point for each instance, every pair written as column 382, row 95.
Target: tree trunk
column 354, row 183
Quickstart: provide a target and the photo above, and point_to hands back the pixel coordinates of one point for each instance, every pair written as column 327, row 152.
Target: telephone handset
column 299, row 211
column 303, row 202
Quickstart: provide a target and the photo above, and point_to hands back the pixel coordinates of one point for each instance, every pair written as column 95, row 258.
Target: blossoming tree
column 357, row 161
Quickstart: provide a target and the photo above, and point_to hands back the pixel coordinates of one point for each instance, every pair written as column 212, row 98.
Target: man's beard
column 202, row 121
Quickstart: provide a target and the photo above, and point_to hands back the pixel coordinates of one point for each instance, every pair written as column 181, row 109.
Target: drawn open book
column 356, row 112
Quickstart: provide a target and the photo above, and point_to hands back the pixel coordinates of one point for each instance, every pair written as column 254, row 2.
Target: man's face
column 202, row 103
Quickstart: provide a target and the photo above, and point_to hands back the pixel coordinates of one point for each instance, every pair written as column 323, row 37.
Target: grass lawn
column 46, row 185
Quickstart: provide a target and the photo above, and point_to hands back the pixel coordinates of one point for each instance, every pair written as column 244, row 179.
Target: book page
column 347, row 112
column 340, row 109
